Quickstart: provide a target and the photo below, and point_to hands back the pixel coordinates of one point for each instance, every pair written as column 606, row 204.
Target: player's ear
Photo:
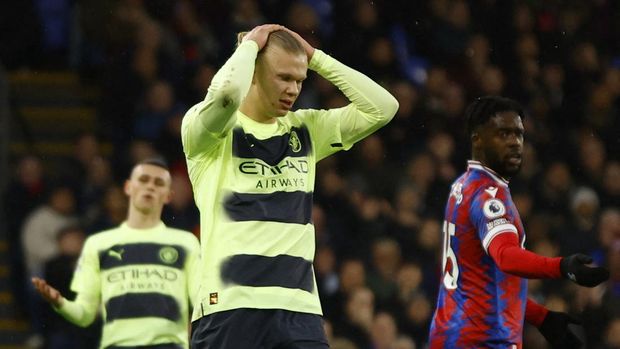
column 475, row 139
column 126, row 187
column 168, row 197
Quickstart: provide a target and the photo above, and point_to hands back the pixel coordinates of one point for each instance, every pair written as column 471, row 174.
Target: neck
column 252, row 107
column 481, row 159
column 140, row 220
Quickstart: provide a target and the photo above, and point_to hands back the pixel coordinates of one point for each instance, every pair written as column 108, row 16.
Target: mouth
column 514, row 159
column 286, row 103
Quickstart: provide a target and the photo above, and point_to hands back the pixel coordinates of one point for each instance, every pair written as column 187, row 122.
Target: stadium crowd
column 377, row 211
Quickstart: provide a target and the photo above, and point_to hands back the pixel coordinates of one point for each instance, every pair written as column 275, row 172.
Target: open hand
column 260, row 34
column 307, row 47
column 50, row 294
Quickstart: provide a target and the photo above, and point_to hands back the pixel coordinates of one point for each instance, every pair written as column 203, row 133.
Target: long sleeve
column 86, row 284
column 209, row 120
column 512, row 259
column 81, row 311
column 371, row 106
column 535, row 313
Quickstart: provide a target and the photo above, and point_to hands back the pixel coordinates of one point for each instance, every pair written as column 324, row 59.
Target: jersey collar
column 477, row 165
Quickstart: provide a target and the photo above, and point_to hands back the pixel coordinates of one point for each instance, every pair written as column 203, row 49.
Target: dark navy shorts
column 259, row 329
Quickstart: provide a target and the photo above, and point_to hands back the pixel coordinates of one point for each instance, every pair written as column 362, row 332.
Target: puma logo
column 117, row 254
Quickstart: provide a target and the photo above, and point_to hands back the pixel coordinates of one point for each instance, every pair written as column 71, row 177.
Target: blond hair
column 280, row 38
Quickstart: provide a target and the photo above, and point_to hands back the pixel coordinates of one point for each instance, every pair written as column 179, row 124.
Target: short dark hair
column 483, row 108
column 155, row 161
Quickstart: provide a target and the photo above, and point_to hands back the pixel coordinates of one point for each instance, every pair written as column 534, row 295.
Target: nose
column 293, row 88
column 515, row 140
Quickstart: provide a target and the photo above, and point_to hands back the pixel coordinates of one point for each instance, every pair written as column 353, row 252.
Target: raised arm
column 371, row 106
column 209, row 120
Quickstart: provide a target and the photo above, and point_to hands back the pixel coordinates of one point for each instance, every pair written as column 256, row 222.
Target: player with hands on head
column 482, row 299
column 251, row 160
column 142, row 275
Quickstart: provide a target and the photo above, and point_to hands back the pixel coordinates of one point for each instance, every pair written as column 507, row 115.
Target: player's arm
column 511, row 258
column 210, row 119
column 81, row 312
column 371, row 106
column 500, row 240
column 86, row 283
column 553, row 325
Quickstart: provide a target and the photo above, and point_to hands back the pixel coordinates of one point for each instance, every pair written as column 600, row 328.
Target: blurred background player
column 141, row 275
column 251, row 160
column 483, row 293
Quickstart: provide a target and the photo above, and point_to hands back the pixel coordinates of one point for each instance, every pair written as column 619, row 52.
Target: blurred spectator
column 112, row 211
column 159, row 107
column 358, row 318
column 39, row 241
column 578, row 233
column 24, row 192
column 41, row 228
column 181, row 212
column 417, row 318
column 611, row 185
column 326, row 275
column 386, row 259
column 383, row 331
column 352, row 276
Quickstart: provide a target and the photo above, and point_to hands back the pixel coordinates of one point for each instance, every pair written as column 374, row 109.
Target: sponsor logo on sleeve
column 497, row 222
column 493, row 208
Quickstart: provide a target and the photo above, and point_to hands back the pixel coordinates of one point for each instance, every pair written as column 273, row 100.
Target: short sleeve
column 490, row 215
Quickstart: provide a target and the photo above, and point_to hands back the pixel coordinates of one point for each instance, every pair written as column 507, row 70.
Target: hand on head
column 260, row 34
column 309, row 49
column 50, row 294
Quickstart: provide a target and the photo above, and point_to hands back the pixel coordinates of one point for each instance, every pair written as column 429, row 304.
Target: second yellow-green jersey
column 142, row 281
column 253, row 183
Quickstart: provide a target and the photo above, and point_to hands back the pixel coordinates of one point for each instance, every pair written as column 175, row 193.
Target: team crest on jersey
column 493, row 208
column 294, row 142
column 168, row 254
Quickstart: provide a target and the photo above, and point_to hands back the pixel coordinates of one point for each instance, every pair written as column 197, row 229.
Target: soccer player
column 251, row 161
column 142, row 274
column 482, row 300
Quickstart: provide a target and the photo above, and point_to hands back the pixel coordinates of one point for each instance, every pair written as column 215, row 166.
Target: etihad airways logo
column 258, row 167
column 143, row 274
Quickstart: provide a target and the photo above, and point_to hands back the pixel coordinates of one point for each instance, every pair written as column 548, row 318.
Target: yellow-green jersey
column 142, row 281
column 253, row 183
